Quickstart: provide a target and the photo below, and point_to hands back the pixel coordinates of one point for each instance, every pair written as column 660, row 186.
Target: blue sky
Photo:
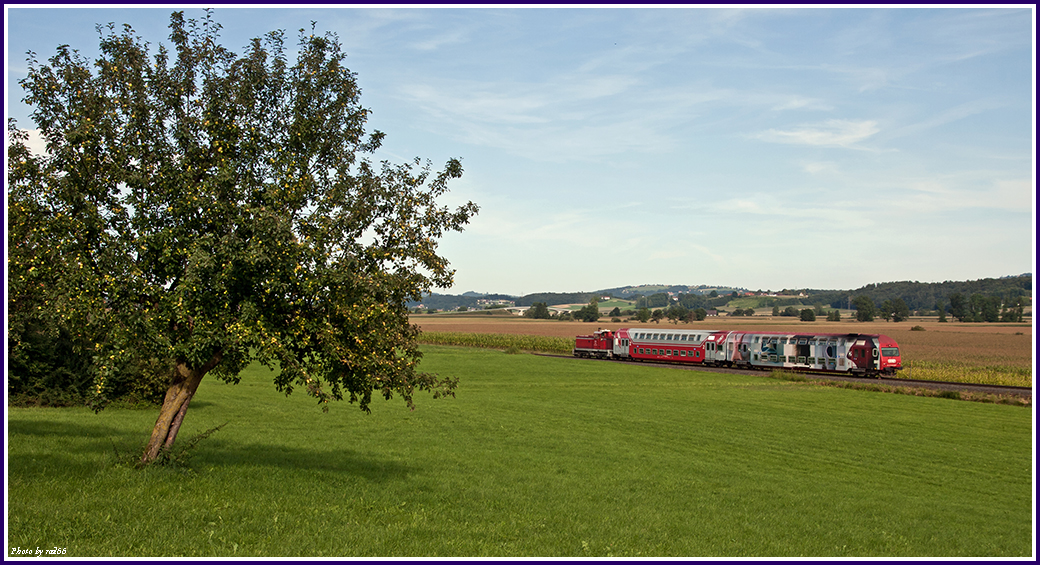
column 761, row 148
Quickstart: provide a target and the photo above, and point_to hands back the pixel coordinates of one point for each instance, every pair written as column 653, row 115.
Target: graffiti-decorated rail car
column 852, row 353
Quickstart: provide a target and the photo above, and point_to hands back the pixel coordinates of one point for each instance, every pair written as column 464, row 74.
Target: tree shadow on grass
column 59, row 449
column 339, row 461
column 83, row 449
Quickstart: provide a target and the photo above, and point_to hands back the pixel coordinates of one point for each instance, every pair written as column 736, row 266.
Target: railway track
column 1025, row 392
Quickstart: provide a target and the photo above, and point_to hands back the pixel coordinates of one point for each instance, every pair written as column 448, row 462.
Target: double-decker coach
column 686, row 346
column 856, row 354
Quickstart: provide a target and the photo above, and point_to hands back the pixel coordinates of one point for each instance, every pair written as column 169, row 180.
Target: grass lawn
column 536, row 457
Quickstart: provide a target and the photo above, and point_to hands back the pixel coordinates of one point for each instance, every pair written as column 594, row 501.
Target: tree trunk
column 175, row 405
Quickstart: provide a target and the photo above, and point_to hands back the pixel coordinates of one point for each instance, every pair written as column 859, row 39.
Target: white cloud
column 436, row 42
column 965, row 192
column 818, row 167
column 801, row 103
column 832, row 133
column 36, row 143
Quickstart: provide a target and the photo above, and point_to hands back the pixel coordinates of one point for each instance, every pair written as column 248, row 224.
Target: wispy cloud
column 832, row 133
column 571, row 117
column 801, row 103
column 438, row 41
column 820, row 167
column 949, row 115
column 968, row 192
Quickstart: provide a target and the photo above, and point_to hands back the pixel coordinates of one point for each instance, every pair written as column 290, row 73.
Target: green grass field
column 536, row 457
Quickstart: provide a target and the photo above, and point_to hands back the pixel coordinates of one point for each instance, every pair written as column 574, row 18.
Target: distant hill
column 916, row 295
column 648, row 289
column 454, row 302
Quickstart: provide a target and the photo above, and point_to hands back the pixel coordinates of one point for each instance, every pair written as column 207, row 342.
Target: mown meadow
column 535, row 456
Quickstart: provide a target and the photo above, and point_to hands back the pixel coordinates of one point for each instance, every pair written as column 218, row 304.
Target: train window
column 682, row 337
column 772, row 358
column 890, row 351
column 682, row 354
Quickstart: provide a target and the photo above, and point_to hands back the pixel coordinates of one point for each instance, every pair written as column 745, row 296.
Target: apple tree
column 207, row 210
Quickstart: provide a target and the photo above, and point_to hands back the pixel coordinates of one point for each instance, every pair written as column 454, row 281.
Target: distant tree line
column 690, row 301
column 925, row 296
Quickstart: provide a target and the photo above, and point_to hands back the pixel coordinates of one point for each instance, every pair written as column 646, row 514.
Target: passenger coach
column 855, row 354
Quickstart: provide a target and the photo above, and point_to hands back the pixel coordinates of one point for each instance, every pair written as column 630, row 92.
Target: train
column 855, row 354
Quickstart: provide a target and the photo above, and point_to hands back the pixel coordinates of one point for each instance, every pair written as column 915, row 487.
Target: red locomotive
column 600, row 344
column 851, row 353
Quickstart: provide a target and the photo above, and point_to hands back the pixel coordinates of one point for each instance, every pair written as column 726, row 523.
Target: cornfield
column 544, row 344
column 953, row 372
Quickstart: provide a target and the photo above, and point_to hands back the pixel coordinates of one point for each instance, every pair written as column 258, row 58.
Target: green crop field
column 535, row 457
